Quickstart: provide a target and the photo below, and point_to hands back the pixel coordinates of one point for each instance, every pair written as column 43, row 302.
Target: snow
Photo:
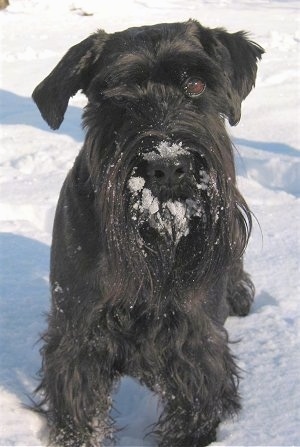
column 167, row 151
column 172, row 220
column 136, row 184
column 149, row 202
column 34, row 161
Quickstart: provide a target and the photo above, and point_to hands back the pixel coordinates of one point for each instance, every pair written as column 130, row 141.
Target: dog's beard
column 192, row 232
column 170, row 218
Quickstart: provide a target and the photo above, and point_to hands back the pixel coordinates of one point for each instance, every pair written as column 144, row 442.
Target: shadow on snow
column 272, row 147
column 24, row 298
column 21, row 110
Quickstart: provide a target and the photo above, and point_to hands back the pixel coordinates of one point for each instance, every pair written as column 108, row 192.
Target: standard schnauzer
column 149, row 233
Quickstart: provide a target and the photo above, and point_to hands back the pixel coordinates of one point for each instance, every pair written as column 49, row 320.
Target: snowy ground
column 34, row 162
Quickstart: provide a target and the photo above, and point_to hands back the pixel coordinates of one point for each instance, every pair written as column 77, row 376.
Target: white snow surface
column 34, row 161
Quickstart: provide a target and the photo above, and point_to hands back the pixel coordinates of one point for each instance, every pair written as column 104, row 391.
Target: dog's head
column 195, row 61
column 156, row 140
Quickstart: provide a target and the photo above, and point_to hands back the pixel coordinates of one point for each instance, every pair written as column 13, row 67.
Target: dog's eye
column 194, row 87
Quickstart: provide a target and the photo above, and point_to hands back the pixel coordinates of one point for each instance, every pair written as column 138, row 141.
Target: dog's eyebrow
column 128, row 66
column 135, row 59
column 186, row 58
column 140, row 64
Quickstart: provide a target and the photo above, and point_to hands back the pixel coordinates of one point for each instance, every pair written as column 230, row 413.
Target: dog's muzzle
column 164, row 192
column 168, row 169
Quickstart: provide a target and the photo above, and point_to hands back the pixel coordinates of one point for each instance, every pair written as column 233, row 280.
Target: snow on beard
column 170, row 218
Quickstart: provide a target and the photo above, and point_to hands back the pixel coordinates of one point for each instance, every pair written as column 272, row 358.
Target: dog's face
column 156, row 143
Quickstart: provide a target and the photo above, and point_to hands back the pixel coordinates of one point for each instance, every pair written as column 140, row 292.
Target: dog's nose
column 168, row 172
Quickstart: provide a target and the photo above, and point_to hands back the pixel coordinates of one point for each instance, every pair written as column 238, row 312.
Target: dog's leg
column 77, row 380
column 240, row 291
column 198, row 385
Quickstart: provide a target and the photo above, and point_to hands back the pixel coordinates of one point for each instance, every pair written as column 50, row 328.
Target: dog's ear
column 237, row 57
column 71, row 74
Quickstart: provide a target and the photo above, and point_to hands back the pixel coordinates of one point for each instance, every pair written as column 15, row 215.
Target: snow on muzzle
column 167, row 195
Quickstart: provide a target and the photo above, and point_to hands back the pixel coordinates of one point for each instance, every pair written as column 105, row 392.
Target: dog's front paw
column 241, row 299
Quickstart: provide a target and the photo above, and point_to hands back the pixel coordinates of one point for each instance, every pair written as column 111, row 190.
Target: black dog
column 149, row 232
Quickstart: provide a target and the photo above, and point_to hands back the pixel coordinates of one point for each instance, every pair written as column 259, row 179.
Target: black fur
column 132, row 292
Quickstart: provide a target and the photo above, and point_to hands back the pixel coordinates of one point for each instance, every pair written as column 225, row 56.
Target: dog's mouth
column 164, row 193
column 170, row 218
